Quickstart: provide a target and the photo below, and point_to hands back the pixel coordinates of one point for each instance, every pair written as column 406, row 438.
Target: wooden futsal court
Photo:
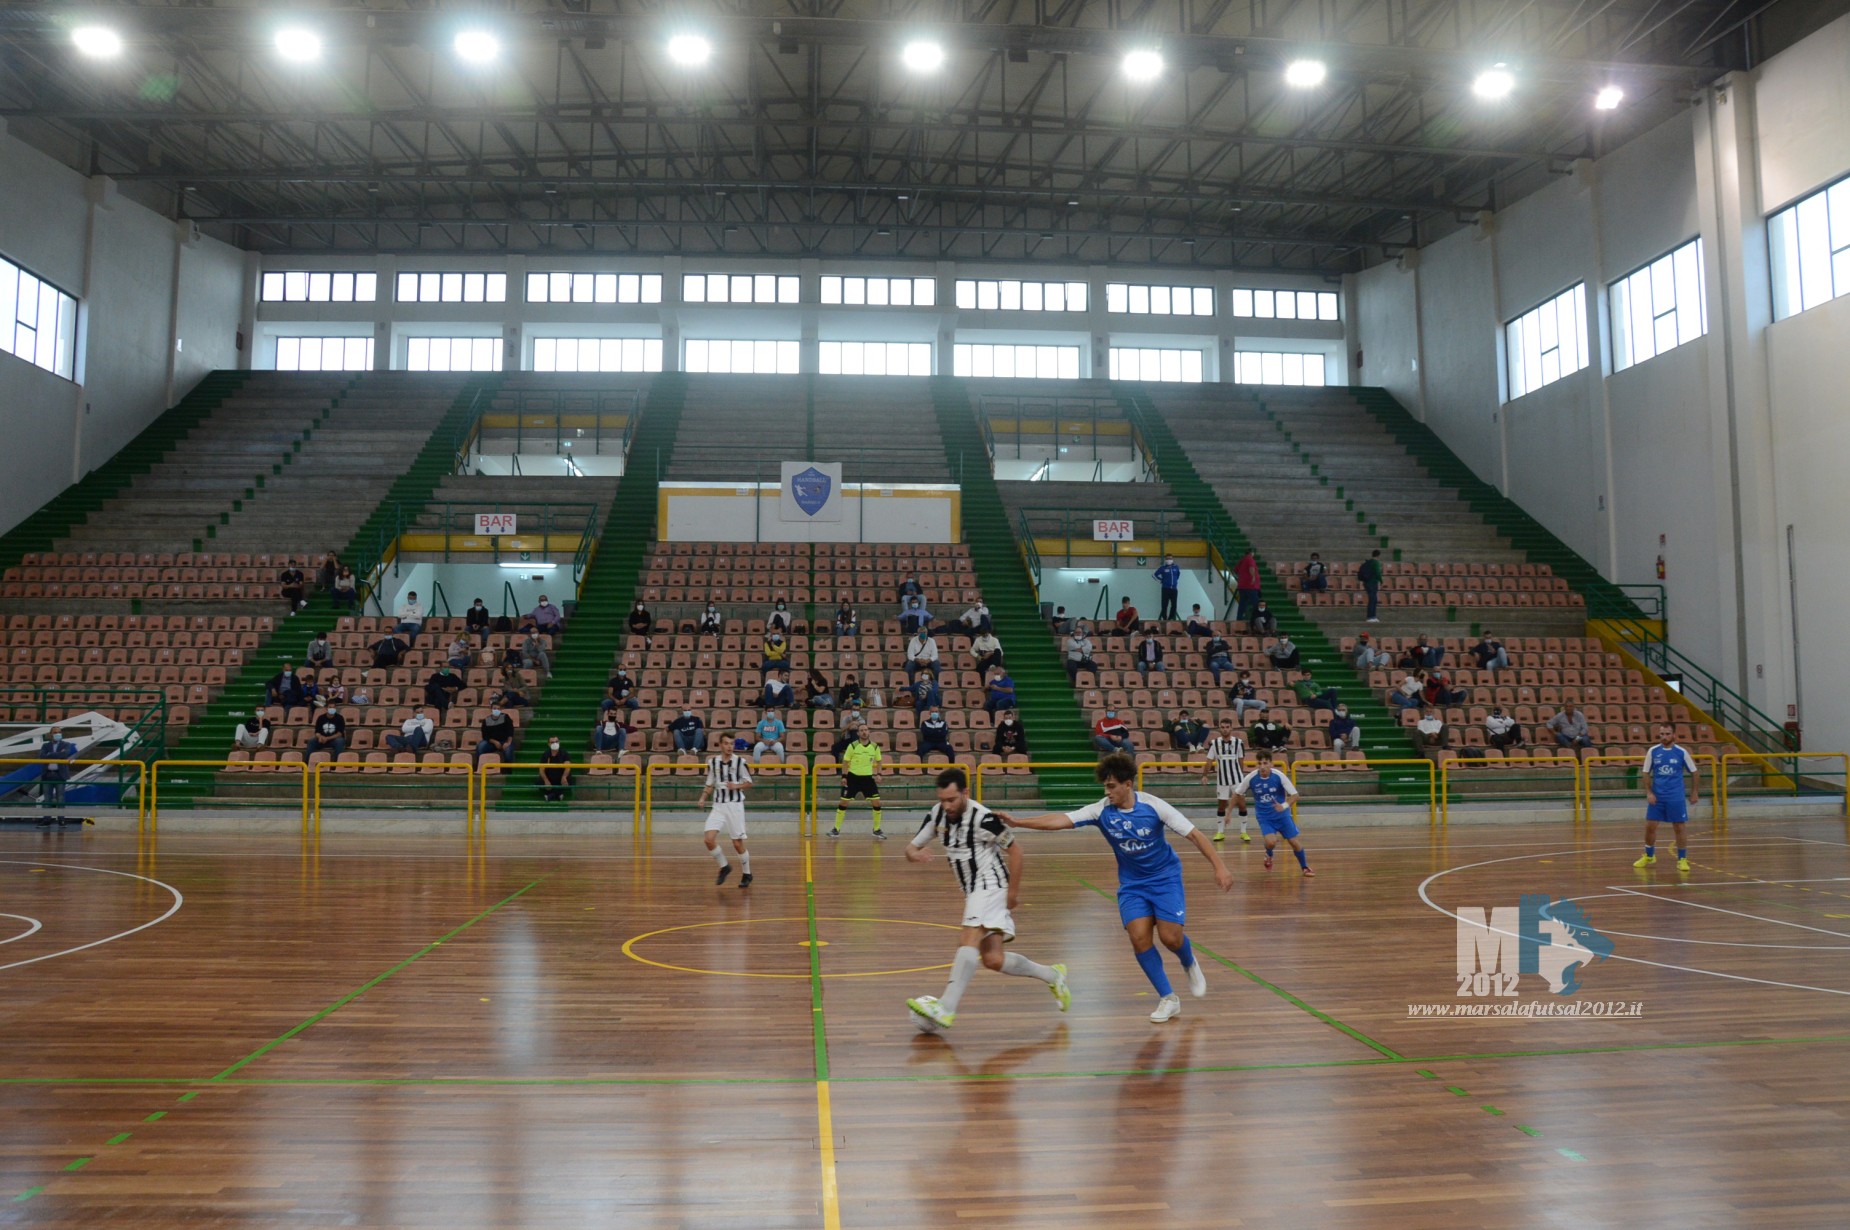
column 242, row 1031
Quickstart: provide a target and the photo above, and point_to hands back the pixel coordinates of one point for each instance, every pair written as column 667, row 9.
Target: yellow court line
column 831, row 1193
column 628, row 949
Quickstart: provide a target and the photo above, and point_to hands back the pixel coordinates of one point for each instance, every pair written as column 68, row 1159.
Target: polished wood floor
column 379, row 1032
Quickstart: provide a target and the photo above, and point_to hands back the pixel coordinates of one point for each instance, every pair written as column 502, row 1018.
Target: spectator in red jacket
column 1110, row 734
column 1246, row 583
column 1128, row 624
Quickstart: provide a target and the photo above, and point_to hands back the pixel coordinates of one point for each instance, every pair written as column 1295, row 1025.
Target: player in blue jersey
column 1665, row 799
column 1272, row 793
column 1151, row 903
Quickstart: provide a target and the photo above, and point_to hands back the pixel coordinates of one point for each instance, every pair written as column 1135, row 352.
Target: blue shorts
column 1281, row 823
column 1668, row 811
column 1162, row 900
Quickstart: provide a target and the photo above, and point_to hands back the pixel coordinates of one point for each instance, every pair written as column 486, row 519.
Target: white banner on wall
column 811, row 491
column 1113, row 531
column 496, row 524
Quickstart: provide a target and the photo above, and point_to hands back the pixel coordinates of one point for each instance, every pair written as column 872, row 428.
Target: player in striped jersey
column 1226, row 753
column 729, row 776
column 983, row 853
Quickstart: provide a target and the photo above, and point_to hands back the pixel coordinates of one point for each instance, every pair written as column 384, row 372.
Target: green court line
column 1431, row 1076
column 1571, row 1155
column 118, row 1139
column 80, row 1163
column 1275, row 989
column 155, row 1117
column 815, row 983
column 29, row 1193
column 1490, row 1110
column 1527, row 1131
column 1455, row 1089
column 190, row 1096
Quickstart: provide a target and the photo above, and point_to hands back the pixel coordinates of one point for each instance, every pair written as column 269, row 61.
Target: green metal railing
column 1075, row 525
column 555, row 403
column 147, row 733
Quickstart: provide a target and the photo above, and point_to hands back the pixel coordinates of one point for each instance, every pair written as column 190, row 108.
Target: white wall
column 751, row 512
column 140, row 346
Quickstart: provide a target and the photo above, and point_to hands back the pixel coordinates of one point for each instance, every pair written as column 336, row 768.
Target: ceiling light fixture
column 1494, row 83
column 298, row 44
column 476, row 46
column 97, row 42
column 1303, row 74
column 1143, row 64
column 1608, row 99
column 922, row 56
column 689, row 50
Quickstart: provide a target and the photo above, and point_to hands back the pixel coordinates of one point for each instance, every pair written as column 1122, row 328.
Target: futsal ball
column 922, row 1023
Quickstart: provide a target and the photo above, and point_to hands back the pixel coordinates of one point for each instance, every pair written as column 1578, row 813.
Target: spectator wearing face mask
column 779, row 618
column 414, row 733
column 330, row 734
column 640, row 622
column 776, row 652
column 1011, row 736
column 935, row 735
column 545, row 618
column 1110, row 734
column 778, row 694
column 555, row 778
column 1169, row 586
column 611, row 734
column 770, row 737
column 711, row 622
column 620, row 691
column 497, row 735
column 1345, row 734
column 690, row 733
column 253, row 733
column 410, row 616
column 476, row 622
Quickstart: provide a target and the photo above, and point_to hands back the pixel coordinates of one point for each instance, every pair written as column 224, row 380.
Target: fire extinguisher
column 1660, row 567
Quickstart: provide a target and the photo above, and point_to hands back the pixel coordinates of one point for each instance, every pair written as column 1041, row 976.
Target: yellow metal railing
column 1489, row 768
column 140, row 769
column 1364, row 764
column 998, row 768
column 390, row 773
column 252, row 768
column 1633, row 786
column 697, row 771
column 1766, row 759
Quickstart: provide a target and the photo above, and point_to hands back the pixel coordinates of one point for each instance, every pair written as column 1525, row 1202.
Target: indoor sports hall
column 878, row 616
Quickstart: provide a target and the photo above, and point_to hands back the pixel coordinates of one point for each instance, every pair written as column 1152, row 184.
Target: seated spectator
column 690, row 733
column 1367, row 657
column 294, row 586
column 1127, row 623
column 1061, row 622
column 460, row 654
column 285, row 689
column 847, row 620
column 987, row 650
column 555, row 778
column 1431, row 732
column 1219, row 656
column 769, row 735
column 410, row 617
column 414, row 733
column 333, row 692
column 935, row 735
column 510, row 697
column 1429, row 655
column 1439, row 690
column 1263, row 622
column 389, row 651
column 346, row 592
column 441, row 688
column 778, row 619
column 908, row 590
column 311, row 691
column 640, row 622
column 1569, row 727
column 925, row 692
column 1150, row 655
column 1313, row 694
column 619, row 691
column 921, row 654
column 1011, row 736
column 610, row 734
column 1412, row 688
column 1501, row 729
column 534, row 655
column 330, row 734
column 1490, row 653
column 545, row 618
column 253, row 733
column 850, row 695
column 1268, row 734
column 1316, row 577
column 497, row 735
column 1110, row 734
column 1345, row 732
column 976, row 621
column 712, row 623
column 1283, row 653
column 1079, row 655
column 326, row 572
column 916, row 617
column 775, row 654
column 1187, row 732
column 817, row 694
column 477, row 623
column 320, row 652
column 778, row 694
column 1410, row 660
column 999, row 692
column 1197, row 625
column 1244, row 696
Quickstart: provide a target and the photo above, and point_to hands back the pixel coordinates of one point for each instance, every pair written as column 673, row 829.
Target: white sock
column 1220, row 824
column 719, row 855
column 1242, row 824
column 963, row 968
column 745, row 861
column 1017, row 966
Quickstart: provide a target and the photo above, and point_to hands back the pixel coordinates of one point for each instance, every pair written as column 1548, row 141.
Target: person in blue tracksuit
column 1666, row 800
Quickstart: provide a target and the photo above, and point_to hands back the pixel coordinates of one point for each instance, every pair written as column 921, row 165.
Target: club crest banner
column 811, row 491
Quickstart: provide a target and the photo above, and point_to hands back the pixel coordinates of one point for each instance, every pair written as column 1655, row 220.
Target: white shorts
column 988, row 908
column 1223, row 793
column 728, row 817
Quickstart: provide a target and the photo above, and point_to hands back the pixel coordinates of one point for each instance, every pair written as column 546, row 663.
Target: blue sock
column 1302, row 861
column 1186, row 952
column 1650, row 851
column 1152, row 963
column 1682, row 851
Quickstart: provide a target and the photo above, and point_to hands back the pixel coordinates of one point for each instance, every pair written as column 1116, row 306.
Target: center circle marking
column 629, row 949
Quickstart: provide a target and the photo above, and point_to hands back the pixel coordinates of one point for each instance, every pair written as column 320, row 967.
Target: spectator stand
column 18, row 775
column 1538, row 778
column 391, row 782
column 771, row 788
column 264, row 778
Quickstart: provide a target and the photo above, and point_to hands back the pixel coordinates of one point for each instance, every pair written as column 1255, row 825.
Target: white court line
column 1697, row 905
column 1683, row 939
column 1685, row 969
column 36, row 924
column 173, row 909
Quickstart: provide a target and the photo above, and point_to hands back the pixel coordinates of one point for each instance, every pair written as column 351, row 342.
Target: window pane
column 1262, row 304
column 898, row 291
column 1326, row 305
column 1815, row 251
column 452, row 287
column 320, row 286
column 789, row 290
column 1008, row 296
column 272, row 289
column 988, row 295
column 694, row 289
column 1052, row 297
column 497, row 288
column 1140, row 299
column 1307, row 305
column 1242, row 303
column 1285, row 303
column 1117, row 297
column 925, row 292
column 831, row 290
column 1075, row 297
column 366, row 289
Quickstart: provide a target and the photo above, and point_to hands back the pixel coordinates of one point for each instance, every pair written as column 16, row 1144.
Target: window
column 880, row 292
column 1010, row 296
column 453, row 354
column 562, row 287
column 1277, row 367
column 715, row 354
column 324, row 354
column 1140, row 300
column 315, row 286
column 452, row 288
column 1027, row 362
column 1811, row 251
column 1147, row 363
column 1659, row 307
column 874, row 359
column 738, row 288
column 1286, row 304
column 38, row 322
column 1548, row 342
column 597, row 354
